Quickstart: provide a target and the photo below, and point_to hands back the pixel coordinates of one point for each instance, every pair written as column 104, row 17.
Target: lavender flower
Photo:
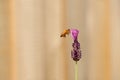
column 76, row 52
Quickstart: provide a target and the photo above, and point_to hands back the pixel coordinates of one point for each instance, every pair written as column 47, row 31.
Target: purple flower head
column 74, row 33
column 76, row 52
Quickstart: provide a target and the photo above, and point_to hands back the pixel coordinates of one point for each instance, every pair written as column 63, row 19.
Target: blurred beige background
column 31, row 49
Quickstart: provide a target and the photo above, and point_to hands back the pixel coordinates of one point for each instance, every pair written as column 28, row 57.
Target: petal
column 74, row 33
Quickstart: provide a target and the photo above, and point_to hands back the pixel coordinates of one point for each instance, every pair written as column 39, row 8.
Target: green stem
column 76, row 71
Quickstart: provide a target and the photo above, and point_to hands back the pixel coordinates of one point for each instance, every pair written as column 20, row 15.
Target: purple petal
column 74, row 33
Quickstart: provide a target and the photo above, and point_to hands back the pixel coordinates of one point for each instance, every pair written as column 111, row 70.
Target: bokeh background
column 31, row 47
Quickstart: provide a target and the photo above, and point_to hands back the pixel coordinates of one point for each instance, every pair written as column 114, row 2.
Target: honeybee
column 65, row 32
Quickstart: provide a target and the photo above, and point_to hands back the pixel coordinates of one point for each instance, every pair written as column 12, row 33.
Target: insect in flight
column 65, row 32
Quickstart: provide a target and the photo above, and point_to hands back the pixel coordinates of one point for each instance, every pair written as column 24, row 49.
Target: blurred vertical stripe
column 12, row 34
column 99, row 47
column 4, row 41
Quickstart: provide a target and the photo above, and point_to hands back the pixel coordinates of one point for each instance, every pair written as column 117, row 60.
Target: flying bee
column 65, row 32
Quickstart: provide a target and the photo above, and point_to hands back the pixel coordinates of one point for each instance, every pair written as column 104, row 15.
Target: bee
column 65, row 32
